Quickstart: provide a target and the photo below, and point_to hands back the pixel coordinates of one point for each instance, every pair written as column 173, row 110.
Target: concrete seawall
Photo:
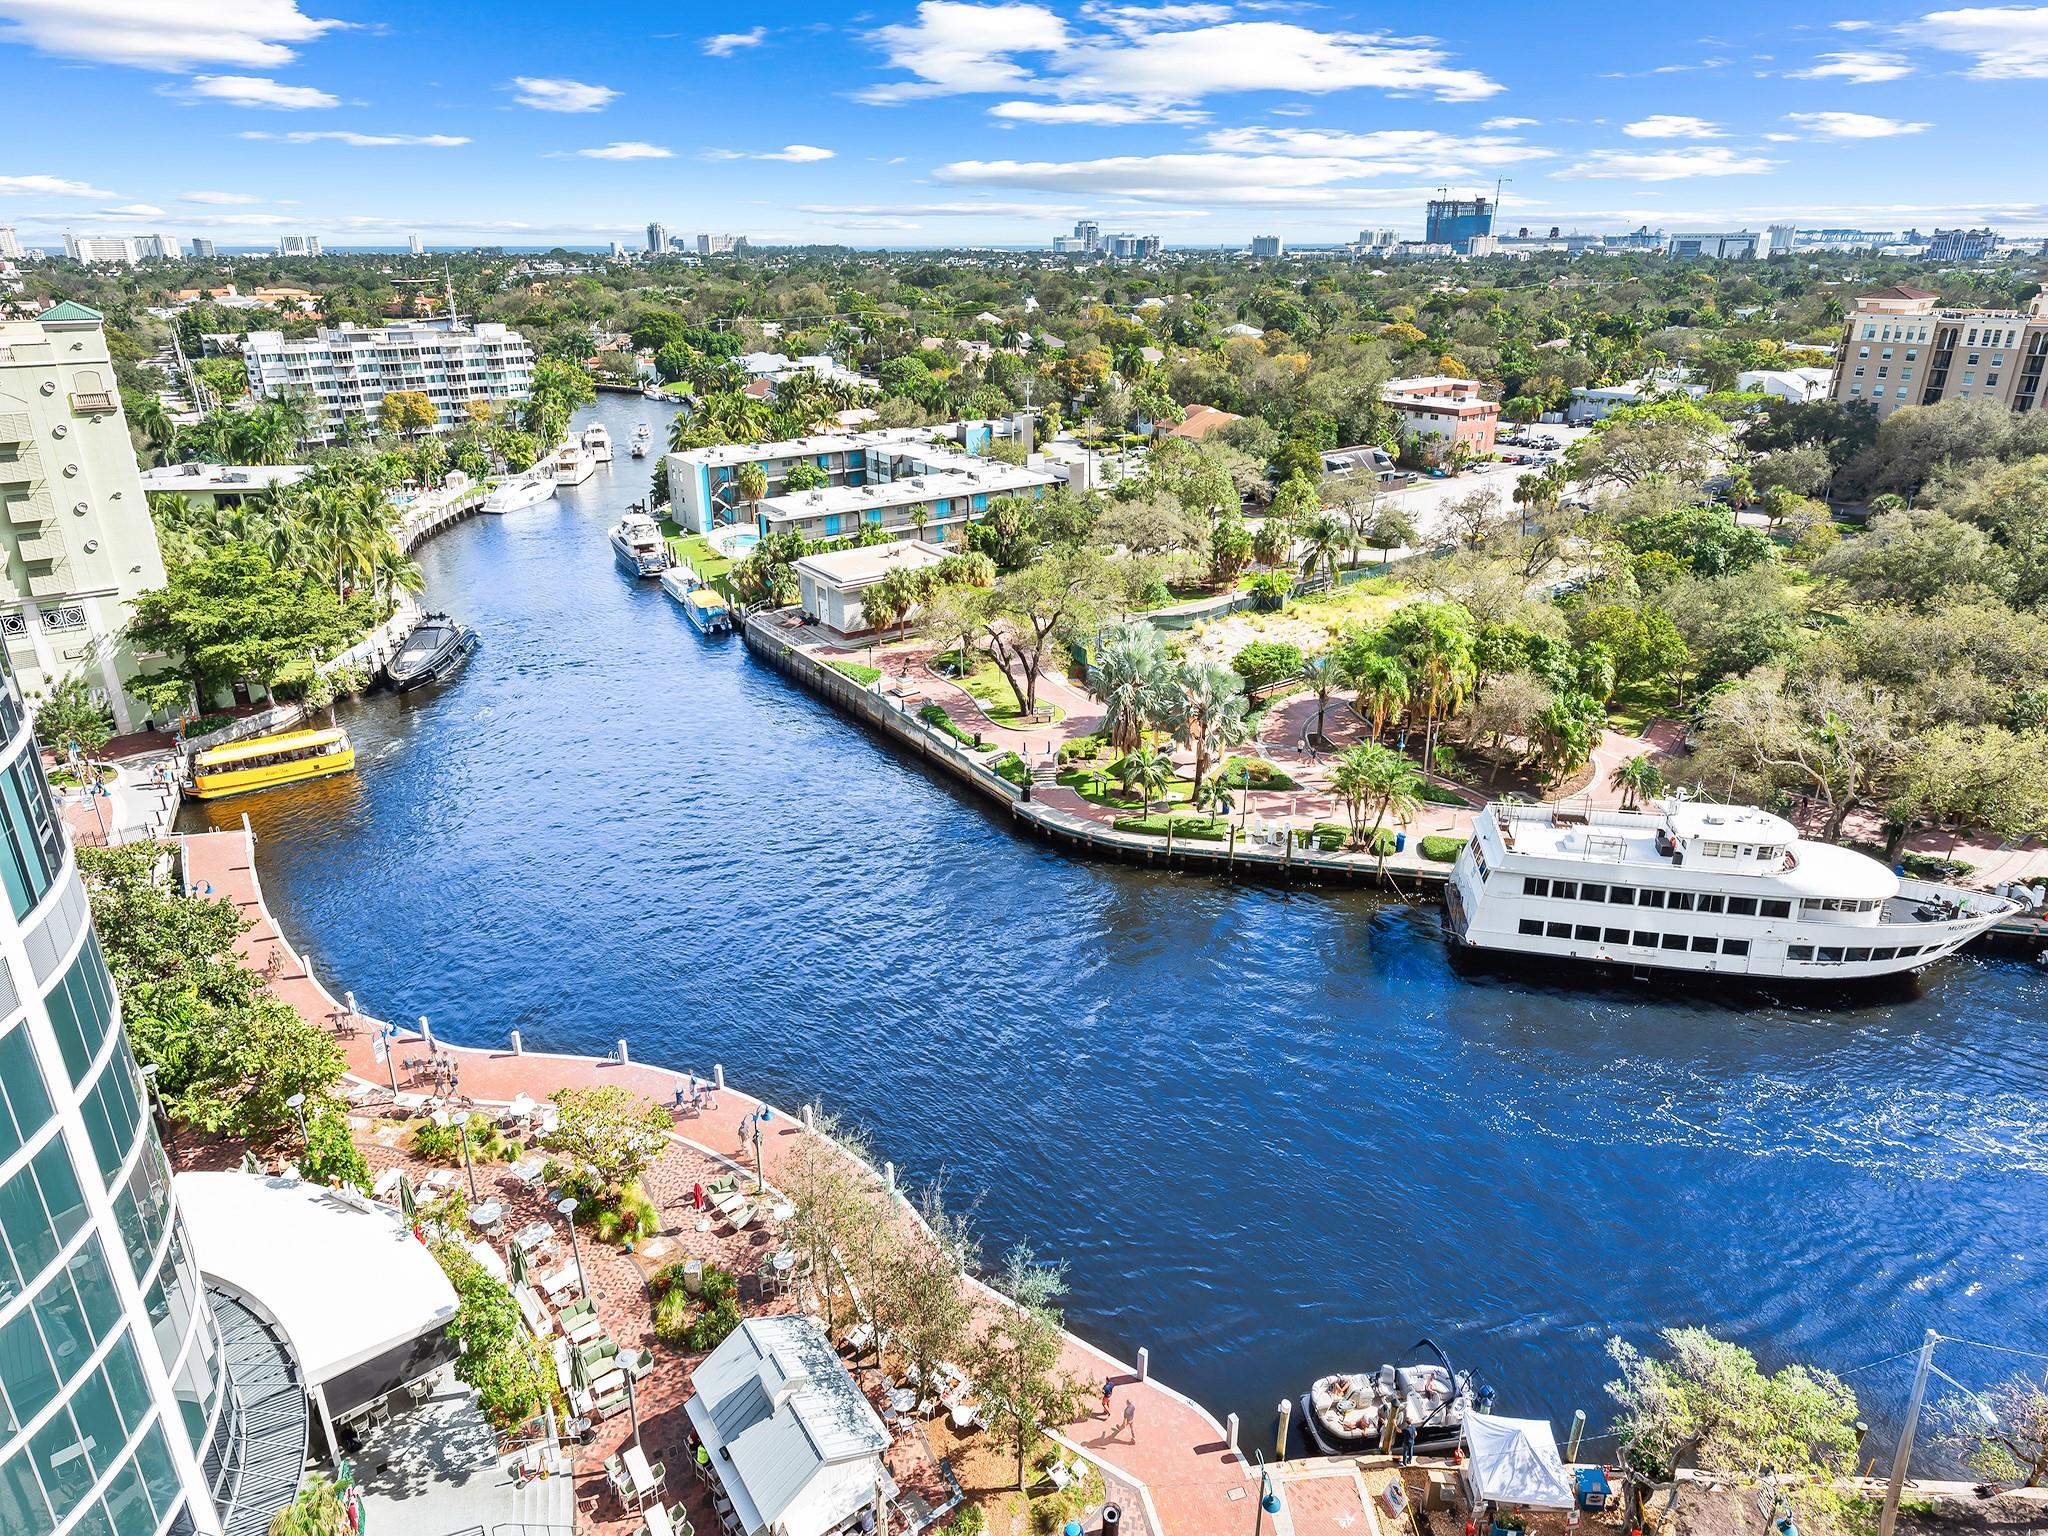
column 893, row 719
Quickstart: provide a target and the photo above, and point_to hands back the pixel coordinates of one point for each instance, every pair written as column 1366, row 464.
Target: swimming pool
column 733, row 543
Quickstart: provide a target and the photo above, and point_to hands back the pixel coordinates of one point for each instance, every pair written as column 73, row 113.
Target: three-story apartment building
column 346, row 371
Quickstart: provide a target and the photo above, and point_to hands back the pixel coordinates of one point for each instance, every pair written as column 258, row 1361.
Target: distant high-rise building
column 1377, row 239
column 91, row 249
column 158, row 248
column 1089, row 233
column 657, row 239
column 412, row 244
column 618, row 250
column 1783, row 238
column 1267, row 245
column 10, row 244
column 1736, row 245
column 1962, row 244
column 298, row 245
column 1069, row 245
column 721, row 245
column 1130, row 247
column 202, row 250
column 1455, row 221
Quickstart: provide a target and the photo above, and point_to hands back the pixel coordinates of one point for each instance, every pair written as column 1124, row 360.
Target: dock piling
column 624, row 1059
column 718, row 1075
column 1571, row 1447
column 426, row 1033
column 517, row 1048
column 1230, row 1434
column 1280, row 1439
column 1144, row 1363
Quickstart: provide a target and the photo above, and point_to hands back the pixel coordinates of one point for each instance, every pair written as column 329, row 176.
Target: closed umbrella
column 408, row 1202
column 579, row 1371
column 517, row 1257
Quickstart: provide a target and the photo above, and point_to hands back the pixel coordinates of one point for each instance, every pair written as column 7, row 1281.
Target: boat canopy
column 266, row 746
column 707, row 599
column 1515, row 1461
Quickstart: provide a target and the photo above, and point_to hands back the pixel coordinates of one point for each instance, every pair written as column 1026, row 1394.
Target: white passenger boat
column 639, row 449
column 528, row 490
column 643, row 432
column 638, row 545
column 1693, row 886
column 597, row 442
column 1413, row 1409
column 572, row 464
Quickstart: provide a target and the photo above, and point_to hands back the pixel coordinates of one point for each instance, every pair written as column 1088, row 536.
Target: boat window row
column 1836, row 954
column 1593, row 933
column 1837, row 904
column 1670, row 901
column 1739, row 850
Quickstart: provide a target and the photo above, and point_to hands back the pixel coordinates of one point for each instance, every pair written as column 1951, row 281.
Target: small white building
column 830, row 585
column 222, row 485
column 1590, row 404
column 794, row 1442
column 1800, row 384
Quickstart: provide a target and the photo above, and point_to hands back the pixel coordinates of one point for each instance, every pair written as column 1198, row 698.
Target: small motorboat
column 643, row 431
column 437, row 648
column 639, row 449
column 1417, row 1409
column 597, row 442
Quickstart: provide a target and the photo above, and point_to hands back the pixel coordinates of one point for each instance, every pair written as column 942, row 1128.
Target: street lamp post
column 1269, row 1501
column 760, row 1169
column 460, row 1120
column 568, row 1210
column 298, row 1103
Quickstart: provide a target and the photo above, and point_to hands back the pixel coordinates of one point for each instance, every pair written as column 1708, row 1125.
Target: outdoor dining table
column 487, row 1214
column 658, row 1523
column 639, row 1475
column 532, row 1235
column 903, row 1399
column 782, row 1212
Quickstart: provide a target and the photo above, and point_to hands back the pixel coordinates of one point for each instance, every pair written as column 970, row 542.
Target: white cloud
column 48, row 186
column 256, row 91
column 135, row 211
column 1384, row 152
column 1499, row 123
column 1205, row 180
column 2008, row 42
column 889, row 222
column 1858, row 67
column 795, row 154
column 725, row 44
column 1853, row 125
column 1851, row 26
column 1108, row 114
column 362, row 140
column 1170, row 55
column 1667, row 125
column 545, row 95
column 624, row 149
column 175, row 35
column 219, row 199
column 1664, row 164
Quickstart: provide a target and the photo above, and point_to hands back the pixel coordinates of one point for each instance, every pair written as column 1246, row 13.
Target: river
column 1273, row 1134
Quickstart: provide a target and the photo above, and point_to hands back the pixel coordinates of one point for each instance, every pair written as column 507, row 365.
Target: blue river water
column 1273, row 1134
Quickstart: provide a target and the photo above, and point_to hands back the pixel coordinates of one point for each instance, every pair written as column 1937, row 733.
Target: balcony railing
column 42, row 547
column 22, row 470
column 35, row 507
column 97, row 402
column 14, row 427
column 53, row 584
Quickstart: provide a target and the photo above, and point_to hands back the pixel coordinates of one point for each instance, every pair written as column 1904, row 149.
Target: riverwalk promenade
column 1176, row 1470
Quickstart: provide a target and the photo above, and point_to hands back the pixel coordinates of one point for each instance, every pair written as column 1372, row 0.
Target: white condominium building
column 10, row 243
column 76, row 542
column 298, row 245
column 1901, row 347
column 95, row 250
column 347, row 371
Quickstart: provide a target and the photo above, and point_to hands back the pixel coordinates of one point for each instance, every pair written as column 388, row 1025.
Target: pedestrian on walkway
column 1108, row 1387
column 1130, row 1414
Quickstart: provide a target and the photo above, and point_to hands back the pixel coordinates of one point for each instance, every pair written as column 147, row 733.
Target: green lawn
column 993, row 693
column 693, row 547
column 866, row 676
column 1102, row 789
column 1213, row 828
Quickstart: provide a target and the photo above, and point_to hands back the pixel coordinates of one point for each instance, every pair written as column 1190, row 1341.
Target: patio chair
column 1058, row 1475
column 615, row 1469
column 659, row 1472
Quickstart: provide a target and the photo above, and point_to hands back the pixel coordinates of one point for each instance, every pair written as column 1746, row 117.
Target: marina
column 1209, row 1048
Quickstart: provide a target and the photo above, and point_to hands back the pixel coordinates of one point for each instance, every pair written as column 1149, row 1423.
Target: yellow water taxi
column 262, row 762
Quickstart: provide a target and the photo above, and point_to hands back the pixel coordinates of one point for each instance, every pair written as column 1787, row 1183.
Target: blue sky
column 950, row 123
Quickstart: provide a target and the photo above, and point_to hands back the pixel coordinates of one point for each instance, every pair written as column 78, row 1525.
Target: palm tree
column 1210, row 711
column 1322, row 536
column 1373, row 780
column 1132, row 680
column 1638, row 779
column 1147, row 770
column 1325, row 674
column 1383, row 688
column 1213, row 797
column 154, row 423
column 750, row 481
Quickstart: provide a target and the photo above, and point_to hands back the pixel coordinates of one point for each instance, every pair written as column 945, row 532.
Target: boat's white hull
column 574, row 471
column 639, row 562
column 516, row 495
column 678, row 581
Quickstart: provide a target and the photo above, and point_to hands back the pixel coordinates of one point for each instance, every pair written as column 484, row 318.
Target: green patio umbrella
column 408, row 1202
column 516, row 1264
column 249, row 1163
column 579, row 1372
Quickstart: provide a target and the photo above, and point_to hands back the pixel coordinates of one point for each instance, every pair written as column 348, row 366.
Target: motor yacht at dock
column 573, row 464
column 437, row 648
column 1693, row 886
column 597, row 442
column 529, row 490
column 638, row 545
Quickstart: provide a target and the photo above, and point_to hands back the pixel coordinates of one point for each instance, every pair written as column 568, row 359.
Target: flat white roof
column 989, row 477
column 345, row 1279
column 222, row 477
column 851, row 569
column 804, row 447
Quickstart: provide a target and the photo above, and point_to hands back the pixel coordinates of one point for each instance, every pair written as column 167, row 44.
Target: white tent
column 1515, row 1461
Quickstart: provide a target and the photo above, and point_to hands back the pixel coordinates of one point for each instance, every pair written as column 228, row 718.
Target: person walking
column 1108, row 1387
column 1130, row 1415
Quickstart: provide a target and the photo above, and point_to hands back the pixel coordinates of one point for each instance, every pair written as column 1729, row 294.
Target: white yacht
column 1691, row 886
column 573, row 464
column 597, row 442
column 643, row 432
column 638, row 545
column 528, row 490
column 639, row 449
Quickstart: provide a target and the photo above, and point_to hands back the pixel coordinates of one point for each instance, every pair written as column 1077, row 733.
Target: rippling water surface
column 1274, row 1134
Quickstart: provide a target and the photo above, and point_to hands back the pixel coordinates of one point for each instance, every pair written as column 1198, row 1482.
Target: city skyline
column 947, row 123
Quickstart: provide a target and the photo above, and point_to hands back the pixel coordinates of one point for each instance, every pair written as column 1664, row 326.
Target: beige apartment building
column 1900, row 348
column 75, row 535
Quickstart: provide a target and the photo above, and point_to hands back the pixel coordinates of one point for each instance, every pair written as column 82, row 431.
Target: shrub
column 1011, row 767
column 1928, row 866
column 1330, row 836
column 1269, row 590
column 1261, row 774
column 866, row 676
column 499, row 1358
column 1083, row 748
column 1444, row 850
column 1210, row 828
column 1266, row 662
column 331, row 1154
column 715, row 1324
column 443, row 1143
column 205, row 725
column 935, row 716
column 967, row 1520
column 628, row 1219
column 1437, row 794
column 672, row 1318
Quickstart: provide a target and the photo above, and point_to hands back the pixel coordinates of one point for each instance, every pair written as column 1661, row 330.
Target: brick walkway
column 1175, row 1458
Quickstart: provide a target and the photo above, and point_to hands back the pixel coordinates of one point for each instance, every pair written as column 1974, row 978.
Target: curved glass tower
column 117, row 1414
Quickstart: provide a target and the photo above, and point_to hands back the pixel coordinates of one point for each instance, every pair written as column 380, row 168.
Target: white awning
column 1515, row 1461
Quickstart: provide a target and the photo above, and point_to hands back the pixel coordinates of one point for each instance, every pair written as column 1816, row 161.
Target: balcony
column 35, row 507
column 98, row 402
column 15, row 428
column 21, row 471
column 42, row 547
column 55, row 584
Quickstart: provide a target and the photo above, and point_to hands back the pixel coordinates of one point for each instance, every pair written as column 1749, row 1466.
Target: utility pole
column 1889, row 1517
